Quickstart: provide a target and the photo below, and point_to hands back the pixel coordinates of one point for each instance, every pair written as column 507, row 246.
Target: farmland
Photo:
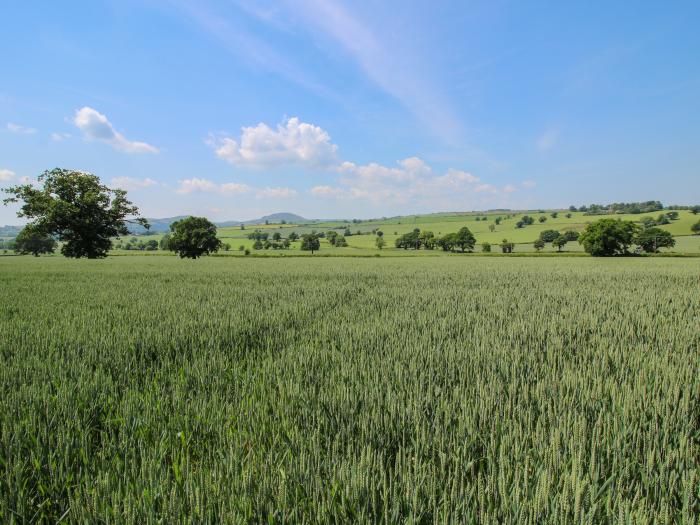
column 427, row 389
column 442, row 223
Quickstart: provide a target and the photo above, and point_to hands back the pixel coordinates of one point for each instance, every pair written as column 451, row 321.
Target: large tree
column 193, row 237
column 31, row 240
column 607, row 237
column 77, row 209
column 465, row 239
column 310, row 242
column 651, row 239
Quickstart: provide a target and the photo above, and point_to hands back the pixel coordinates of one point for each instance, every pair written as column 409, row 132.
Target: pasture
column 377, row 390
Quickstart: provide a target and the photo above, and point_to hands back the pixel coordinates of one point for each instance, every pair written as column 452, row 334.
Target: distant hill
column 163, row 225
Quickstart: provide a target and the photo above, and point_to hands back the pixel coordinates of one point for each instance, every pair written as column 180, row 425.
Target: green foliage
column 465, row 240
column 542, row 219
column 561, row 241
column 549, row 235
column 77, row 209
column 310, row 242
column 193, row 237
column 379, row 242
column 695, row 228
column 340, row 242
column 32, row 240
column 165, row 242
column 420, row 390
column 539, row 244
column 486, row 247
column 507, row 246
column 607, row 237
column 651, row 239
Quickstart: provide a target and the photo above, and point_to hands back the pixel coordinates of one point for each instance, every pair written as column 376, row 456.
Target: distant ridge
column 163, row 225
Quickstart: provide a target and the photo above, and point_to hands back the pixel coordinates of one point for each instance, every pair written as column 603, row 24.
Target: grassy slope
column 445, row 223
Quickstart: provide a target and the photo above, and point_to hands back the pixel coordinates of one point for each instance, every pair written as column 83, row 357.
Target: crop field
column 340, row 390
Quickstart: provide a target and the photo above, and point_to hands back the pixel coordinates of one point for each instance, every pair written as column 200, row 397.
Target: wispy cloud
column 96, row 126
column 131, row 183
column 198, row 185
column 60, row 137
column 19, row 129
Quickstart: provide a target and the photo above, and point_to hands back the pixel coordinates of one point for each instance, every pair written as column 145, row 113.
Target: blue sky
column 330, row 108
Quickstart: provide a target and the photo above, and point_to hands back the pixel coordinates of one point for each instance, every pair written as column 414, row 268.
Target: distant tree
column 321, row 235
column 277, row 236
column 340, row 242
column 607, row 237
column 347, row 232
column 258, row 245
column 246, row 252
column 465, row 239
column 572, row 208
column 242, row 226
column 448, row 242
column 332, row 236
column 527, row 220
column 648, row 222
column 695, row 209
column 568, row 215
column 310, row 242
column 507, row 247
column 695, row 228
column 672, row 215
column 150, row 245
column 77, row 209
column 519, row 224
column 485, row 247
column 286, row 244
column 241, row 248
column 554, row 214
column 571, row 236
column 539, row 244
column 32, row 240
column 380, row 233
column 267, row 244
column 497, row 220
column 427, row 239
column 292, row 236
column 542, row 218
column 492, row 228
column 651, row 239
column 267, row 222
column 560, row 242
column 663, row 219
column 380, row 242
column 226, row 246
column 549, row 235
column 165, row 242
column 193, row 237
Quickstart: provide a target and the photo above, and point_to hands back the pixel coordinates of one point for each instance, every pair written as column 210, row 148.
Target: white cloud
column 96, row 126
column 197, row 185
column 20, row 130
column 411, row 181
column 293, row 142
column 6, row 175
column 528, row 184
column 60, row 137
column 276, row 193
column 129, row 183
column 509, row 188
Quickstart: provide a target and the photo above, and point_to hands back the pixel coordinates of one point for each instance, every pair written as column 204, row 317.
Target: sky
column 234, row 109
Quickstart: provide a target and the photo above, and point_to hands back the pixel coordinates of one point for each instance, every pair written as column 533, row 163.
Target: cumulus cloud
column 19, row 130
column 276, row 193
column 130, row 183
column 509, row 188
column 96, row 126
column 411, row 180
column 6, row 175
column 292, row 142
column 197, row 185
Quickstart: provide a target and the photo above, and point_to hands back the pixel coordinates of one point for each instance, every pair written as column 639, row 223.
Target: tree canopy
column 193, row 237
column 310, row 242
column 651, row 239
column 607, row 237
column 33, row 241
column 77, row 209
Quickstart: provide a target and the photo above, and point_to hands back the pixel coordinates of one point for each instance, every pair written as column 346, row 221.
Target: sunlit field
column 422, row 390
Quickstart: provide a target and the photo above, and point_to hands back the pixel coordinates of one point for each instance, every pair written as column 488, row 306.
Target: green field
column 338, row 390
column 443, row 223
